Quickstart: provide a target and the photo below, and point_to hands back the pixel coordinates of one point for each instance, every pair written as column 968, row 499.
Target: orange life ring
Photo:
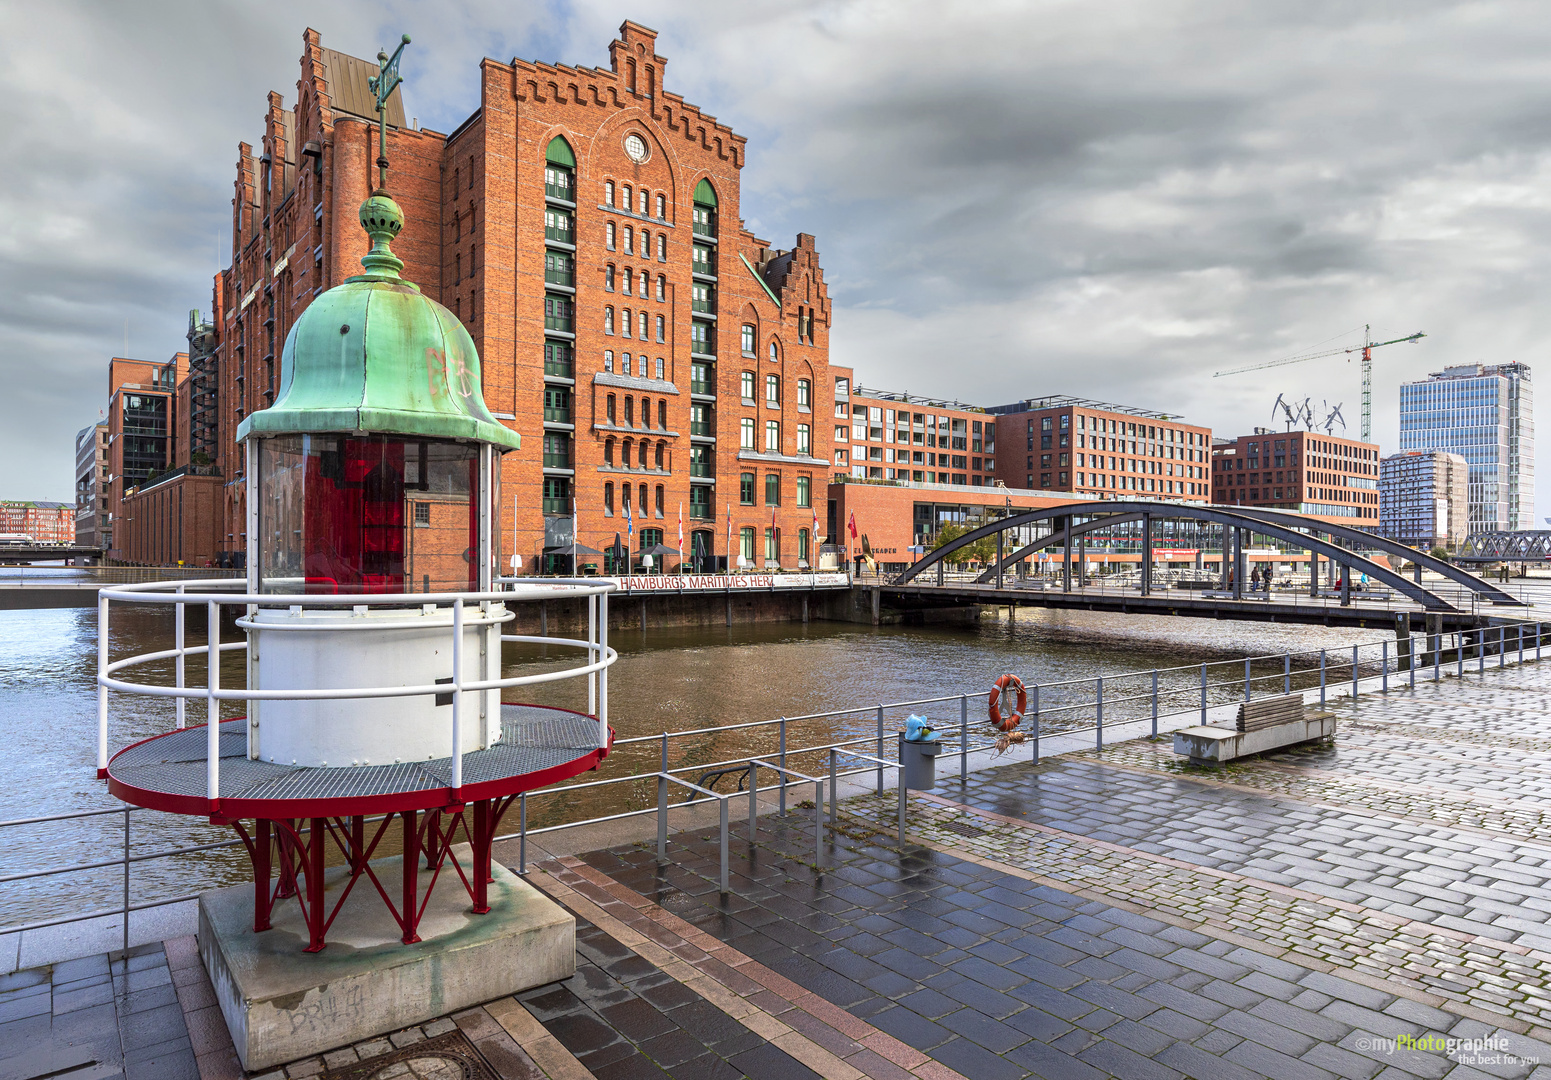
column 1007, row 723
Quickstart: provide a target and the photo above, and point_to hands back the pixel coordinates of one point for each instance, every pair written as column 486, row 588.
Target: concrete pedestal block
column 1211, row 745
column 282, row 1004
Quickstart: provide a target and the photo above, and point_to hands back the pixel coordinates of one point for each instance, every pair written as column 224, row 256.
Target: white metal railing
column 213, row 594
column 1058, row 709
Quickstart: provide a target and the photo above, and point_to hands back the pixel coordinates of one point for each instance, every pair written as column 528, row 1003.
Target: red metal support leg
column 479, row 838
column 357, row 843
column 314, row 881
column 288, row 860
column 411, row 868
column 261, row 893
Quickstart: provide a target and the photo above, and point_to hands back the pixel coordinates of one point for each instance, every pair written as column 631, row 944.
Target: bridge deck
column 1278, row 606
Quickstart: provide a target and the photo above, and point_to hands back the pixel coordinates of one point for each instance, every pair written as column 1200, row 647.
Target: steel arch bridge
column 1530, row 545
column 1289, row 527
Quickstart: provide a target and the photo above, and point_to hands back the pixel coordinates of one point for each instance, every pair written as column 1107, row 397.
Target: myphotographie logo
column 1490, row 1050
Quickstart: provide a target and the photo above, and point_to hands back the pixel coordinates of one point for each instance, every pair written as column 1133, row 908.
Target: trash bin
column 920, row 760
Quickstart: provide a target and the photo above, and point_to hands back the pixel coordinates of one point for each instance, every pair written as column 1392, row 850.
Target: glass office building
column 1484, row 413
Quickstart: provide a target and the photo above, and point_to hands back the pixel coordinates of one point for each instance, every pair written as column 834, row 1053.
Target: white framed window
column 746, row 434
column 775, row 353
column 804, row 394
column 608, row 277
column 644, row 197
column 624, row 363
column 608, row 360
column 646, row 283
column 629, row 240
column 641, row 323
column 663, row 404
column 773, row 436
column 662, row 208
column 625, row 323
column 662, row 330
column 629, row 282
column 662, row 288
column 662, row 247
column 608, row 320
column 608, row 235
column 748, row 339
column 804, row 439
column 747, row 384
column 773, row 389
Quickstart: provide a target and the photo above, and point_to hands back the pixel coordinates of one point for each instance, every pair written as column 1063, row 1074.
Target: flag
column 853, row 524
column 729, row 536
column 629, row 521
column 681, row 536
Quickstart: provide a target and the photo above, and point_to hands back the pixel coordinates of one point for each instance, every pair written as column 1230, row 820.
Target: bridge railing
column 54, row 576
column 853, row 745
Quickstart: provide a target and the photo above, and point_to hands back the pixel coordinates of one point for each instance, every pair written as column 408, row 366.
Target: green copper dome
column 375, row 355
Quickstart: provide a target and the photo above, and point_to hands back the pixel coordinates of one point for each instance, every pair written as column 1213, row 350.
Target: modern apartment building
column 659, row 360
column 883, row 435
column 1305, row 471
column 1424, row 499
column 1064, row 443
column 1485, row 414
column 142, row 414
column 91, row 486
column 40, row 522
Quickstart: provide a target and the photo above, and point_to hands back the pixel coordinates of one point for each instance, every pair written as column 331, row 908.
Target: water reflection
column 665, row 680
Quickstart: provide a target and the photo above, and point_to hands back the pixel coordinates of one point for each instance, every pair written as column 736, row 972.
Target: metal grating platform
column 534, row 740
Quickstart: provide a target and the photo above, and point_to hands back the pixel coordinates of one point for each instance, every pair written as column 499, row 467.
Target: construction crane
column 1366, row 348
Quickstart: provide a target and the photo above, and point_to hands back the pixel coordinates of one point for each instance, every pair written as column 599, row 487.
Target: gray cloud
column 1010, row 198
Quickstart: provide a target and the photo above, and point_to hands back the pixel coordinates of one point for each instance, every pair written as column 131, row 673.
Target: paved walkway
column 1373, row 908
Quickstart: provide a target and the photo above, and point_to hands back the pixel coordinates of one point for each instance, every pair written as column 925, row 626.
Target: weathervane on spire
column 383, row 84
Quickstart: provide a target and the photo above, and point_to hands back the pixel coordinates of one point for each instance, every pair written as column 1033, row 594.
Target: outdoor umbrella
column 658, row 550
column 573, row 550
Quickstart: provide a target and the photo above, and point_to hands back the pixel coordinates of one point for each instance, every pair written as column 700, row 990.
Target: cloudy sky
column 1110, row 199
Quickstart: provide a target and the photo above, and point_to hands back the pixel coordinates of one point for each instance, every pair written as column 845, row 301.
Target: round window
column 635, row 148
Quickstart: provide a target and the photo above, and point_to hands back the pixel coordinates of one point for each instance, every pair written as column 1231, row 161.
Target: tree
column 1440, row 553
column 982, row 551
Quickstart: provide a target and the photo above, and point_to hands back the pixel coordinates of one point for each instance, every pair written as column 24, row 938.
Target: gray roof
column 349, row 92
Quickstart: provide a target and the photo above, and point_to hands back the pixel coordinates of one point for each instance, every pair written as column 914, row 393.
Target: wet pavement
column 1375, row 907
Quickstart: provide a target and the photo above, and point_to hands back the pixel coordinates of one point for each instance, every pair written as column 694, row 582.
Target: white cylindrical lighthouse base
column 329, row 649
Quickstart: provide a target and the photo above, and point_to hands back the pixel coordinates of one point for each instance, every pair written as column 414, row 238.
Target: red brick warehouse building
column 584, row 224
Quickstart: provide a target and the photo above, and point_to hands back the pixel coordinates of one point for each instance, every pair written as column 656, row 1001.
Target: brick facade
column 40, row 522
column 546, row 305
column 1335, row 480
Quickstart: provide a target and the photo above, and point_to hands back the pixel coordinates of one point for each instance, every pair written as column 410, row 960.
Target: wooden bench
column 1261, row 726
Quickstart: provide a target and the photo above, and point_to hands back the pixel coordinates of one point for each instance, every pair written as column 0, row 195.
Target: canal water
column 665, row 680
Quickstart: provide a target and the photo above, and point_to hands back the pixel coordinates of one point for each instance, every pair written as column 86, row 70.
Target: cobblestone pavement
column 95, row 1019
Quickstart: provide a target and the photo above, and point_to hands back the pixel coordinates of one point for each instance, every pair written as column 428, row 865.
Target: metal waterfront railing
column 1134, row 702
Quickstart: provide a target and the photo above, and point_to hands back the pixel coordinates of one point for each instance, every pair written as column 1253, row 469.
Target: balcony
column 705, row 307
column 701, row 468
column 554, row 415
column 564, row 369
column 706, row 229
column 702, row 386
column 556, row 461
column 559, row 191
column 563, row 236
column 557, row 506
column 698, row 427
column 560, row 277
column 563, row 323
column 701, row 512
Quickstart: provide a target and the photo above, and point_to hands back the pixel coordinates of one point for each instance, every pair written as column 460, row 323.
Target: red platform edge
column 425, row 799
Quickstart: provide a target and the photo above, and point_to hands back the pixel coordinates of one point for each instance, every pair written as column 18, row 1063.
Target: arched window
column 609, row 409
column 646, row 244
column 629, row 414
column 608, row 320
column 625, row 191
column 775, row 353
column 457, row 267
column 660, row 373
column 608, row 451
column 608, row 235
column 659, row 459
column 662, row 208
column 608, row 499
column 624, row 456
column 629, row 240
column 642, row 326
column 608, row 193
column 644, row 197
column 457, row 227
column 646, row 282
column 559, row 171
column 646, row 411
column 645, row 443
column 662, row 288
column 625, row 323
column 662, row 403
column 608, row 277
column 662, row 247
column 624, row 497
column 629, row 280
column 748, row 339
column 659, row 486
column 608, row 359
column 624, row 363
column 642, row 493
column 662, row 332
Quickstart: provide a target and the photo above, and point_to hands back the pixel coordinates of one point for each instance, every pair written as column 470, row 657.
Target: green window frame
column 746, row 489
